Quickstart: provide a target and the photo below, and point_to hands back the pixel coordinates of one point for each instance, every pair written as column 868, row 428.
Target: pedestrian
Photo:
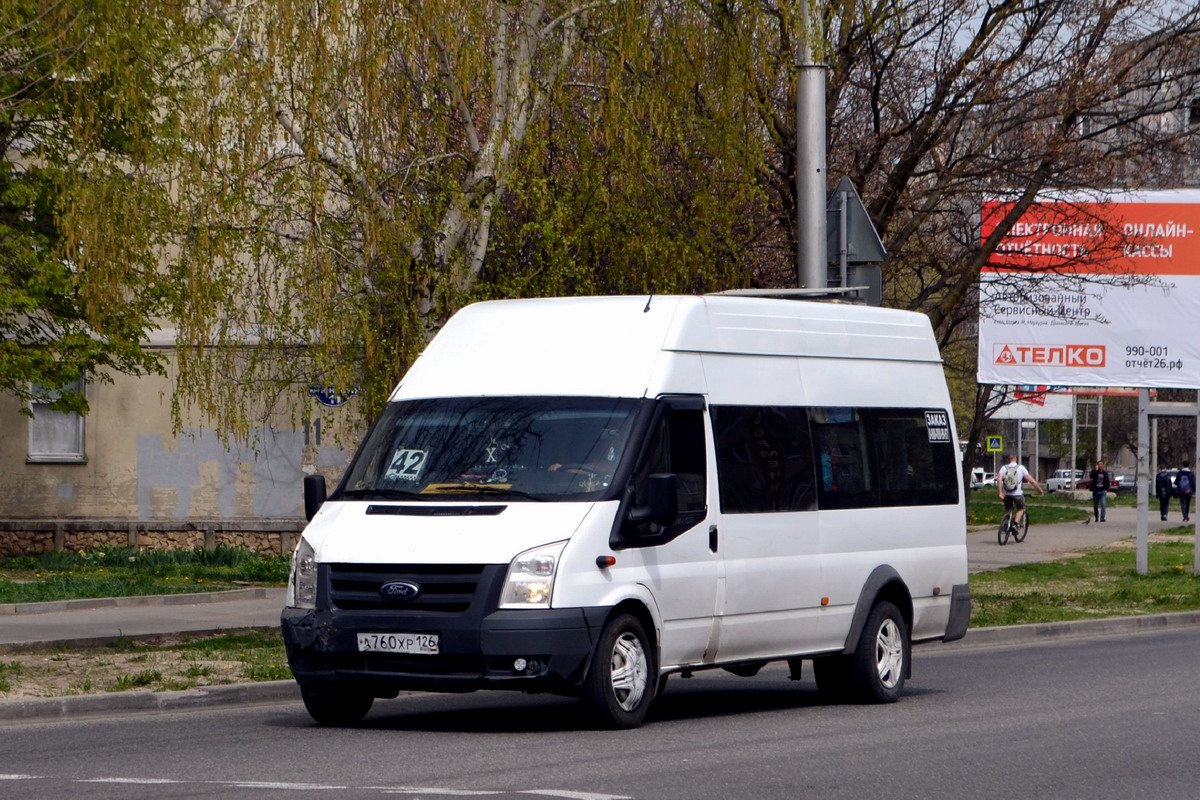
column 1101, row 480
column 1008, row 483
column 1162, row 488
column 1185, row 484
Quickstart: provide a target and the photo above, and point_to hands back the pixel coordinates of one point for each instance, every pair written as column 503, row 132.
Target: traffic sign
column 995, row 444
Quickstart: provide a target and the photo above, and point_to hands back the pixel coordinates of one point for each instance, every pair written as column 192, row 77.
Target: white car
column 1062, row 479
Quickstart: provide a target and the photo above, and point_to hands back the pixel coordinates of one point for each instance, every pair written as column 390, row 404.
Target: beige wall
column 138, row 468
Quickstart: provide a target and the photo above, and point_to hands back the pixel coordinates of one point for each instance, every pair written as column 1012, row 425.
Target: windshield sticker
column 406, row 465
column 938, row 425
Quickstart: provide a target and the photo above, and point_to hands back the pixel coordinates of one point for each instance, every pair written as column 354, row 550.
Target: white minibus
column 586, row 496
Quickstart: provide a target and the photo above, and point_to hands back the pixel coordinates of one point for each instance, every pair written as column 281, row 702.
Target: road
column 1093, row 718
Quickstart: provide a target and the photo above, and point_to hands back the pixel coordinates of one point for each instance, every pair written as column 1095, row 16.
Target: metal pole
column 1037, row 449
column 1099, row 427
column 843, row 235
column 812, row 264
column 1153, row 446
column 1074, row 434
column 1195, row 466
column 1143, row 456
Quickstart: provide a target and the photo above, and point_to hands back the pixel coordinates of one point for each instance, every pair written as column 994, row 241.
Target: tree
column 360, row 168
column 79, row 227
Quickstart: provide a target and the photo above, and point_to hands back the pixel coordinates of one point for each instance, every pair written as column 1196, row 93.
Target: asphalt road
column 1113, row 717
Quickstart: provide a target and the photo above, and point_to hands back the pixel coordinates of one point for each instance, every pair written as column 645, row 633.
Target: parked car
column 1063, row 479
column 1126, row 483
column 1113, row 486
column 988, row 479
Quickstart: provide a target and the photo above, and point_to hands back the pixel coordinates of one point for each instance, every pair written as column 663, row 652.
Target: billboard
column 1086, row 293
column 1033, row 402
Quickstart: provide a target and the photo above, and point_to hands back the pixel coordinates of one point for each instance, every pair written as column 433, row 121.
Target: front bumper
column 474, row 652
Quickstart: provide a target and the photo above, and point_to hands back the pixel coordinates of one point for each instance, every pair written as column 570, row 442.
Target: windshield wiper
column 379, row 494
column 487, row 488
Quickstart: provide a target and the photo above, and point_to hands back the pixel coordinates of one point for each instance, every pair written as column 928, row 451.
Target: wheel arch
column 642, row 610
column 884, row 583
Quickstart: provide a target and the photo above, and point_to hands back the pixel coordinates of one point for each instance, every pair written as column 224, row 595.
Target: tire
column 1021, row 529
column 833, row 677
column 335, row 705
column 880, row 662
column 1002, row 534
column 621, row 681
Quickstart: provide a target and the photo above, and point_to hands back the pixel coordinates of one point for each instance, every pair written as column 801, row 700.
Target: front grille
column 448, row 588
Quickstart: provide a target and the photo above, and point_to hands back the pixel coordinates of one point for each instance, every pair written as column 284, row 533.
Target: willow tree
column 348, row 161
column 80, row 199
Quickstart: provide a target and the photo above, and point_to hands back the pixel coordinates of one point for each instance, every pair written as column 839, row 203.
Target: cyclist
column 1009, row 483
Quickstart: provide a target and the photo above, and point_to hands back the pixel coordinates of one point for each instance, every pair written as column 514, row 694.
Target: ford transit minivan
column 586, row 496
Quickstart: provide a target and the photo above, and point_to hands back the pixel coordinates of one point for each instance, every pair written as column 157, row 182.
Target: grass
column 1101, row 583
column 986, row 509
column 124, row 572
column 170, row 664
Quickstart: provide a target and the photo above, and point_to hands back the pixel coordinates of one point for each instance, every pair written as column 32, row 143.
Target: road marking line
column 295, row 787
column 432, row 790
column 570, row 795
column 148, row 781
column 20, row 777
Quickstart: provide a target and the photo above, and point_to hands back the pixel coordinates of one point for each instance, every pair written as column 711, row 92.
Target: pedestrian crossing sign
column 995, row 444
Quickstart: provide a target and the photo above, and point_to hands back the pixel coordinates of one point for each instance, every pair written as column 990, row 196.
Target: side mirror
column 314, row 495
column 662, row 495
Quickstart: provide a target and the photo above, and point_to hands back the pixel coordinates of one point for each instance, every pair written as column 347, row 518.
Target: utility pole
column 812, row 266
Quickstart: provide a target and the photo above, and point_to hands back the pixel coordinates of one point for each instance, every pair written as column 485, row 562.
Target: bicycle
column 1009, row 528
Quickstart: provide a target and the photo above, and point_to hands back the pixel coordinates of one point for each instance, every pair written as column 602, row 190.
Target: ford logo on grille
column 400, row 590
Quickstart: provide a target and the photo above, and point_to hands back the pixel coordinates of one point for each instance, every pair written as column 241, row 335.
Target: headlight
column 302, row 582
column 530, row 579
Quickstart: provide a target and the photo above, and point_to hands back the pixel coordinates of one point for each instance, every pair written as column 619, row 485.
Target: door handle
column 712, row 538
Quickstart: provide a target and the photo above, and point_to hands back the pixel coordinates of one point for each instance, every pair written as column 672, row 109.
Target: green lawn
column 985, row 508
column 1102, row 583
column 123, row 572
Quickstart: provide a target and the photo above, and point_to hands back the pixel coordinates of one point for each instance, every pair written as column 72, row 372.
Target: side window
column 845, row 469
column 915, row 454
column 54, row 436
column 764, row 459
column 676, row 445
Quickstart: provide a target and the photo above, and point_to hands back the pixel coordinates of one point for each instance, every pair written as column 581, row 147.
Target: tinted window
column 844, row 459
column 916, row 459
column 523, row 447
column 772, row 459
column 764, row 459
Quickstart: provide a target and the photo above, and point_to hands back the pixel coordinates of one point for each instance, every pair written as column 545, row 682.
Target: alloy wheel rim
column 889, row 654
column 629, row 671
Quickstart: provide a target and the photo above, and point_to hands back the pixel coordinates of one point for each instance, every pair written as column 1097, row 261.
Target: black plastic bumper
column 474, row 653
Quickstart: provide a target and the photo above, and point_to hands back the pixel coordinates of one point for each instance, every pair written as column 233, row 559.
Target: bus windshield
column 518, row 448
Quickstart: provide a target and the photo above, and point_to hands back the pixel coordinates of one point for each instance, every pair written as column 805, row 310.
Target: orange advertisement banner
column 1129, row 237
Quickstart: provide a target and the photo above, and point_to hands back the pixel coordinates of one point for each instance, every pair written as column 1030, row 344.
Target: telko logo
column 1059, row 355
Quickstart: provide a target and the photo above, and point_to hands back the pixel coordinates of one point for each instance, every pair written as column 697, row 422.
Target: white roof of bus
column 609, row 346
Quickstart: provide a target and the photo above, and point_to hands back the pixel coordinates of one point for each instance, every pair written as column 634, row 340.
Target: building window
column 54, row 436
column 1194, row 113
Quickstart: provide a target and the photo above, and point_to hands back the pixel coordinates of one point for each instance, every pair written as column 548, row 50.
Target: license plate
column 425, row 644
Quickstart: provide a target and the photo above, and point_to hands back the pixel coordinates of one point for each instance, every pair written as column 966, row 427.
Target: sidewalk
column 1048, row 542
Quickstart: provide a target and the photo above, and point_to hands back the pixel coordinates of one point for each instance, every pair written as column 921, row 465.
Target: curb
column 1077, row 629
column 195, row 598
column 204, row 697
column 268, row 692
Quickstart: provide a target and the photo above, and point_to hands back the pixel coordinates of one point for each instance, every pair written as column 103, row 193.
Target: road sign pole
column 1143, row 459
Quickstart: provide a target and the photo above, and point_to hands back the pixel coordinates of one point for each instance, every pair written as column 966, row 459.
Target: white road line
column 20, row 777
column 567, row 794
column 432, row 790
column 148, row 781
column 292, row 787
